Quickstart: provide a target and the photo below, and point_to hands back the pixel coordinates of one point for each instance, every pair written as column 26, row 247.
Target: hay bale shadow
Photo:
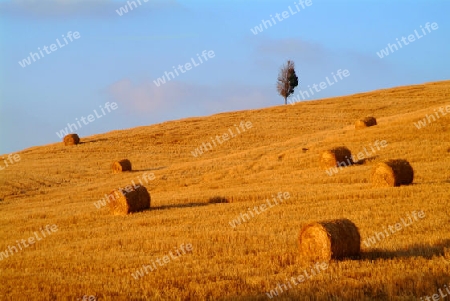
column 93, row 141
column 149, row 169
column 365, row 160
column 218, row 200
column 417, row 250
column 187, row 205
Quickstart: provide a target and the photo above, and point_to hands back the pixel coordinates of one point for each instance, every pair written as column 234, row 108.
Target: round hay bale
column 134, row 199
column 392, row 173
column 338, row 156
column 71, row 139
column 366, row 122
column 327, row 240
column 122, row 165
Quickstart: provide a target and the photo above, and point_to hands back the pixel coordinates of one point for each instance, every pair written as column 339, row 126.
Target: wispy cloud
column 144, row 38
column 146, row 98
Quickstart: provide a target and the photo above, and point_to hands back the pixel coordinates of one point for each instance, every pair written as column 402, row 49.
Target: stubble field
column 95, row 253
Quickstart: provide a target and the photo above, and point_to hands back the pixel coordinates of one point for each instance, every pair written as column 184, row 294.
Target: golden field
column 94, row 253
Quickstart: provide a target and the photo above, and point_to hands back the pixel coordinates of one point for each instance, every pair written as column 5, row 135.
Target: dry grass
column 94, row 253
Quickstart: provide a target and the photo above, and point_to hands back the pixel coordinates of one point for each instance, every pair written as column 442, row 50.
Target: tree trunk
column 285, row 100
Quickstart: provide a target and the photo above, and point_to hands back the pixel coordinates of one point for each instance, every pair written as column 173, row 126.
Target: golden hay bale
column 71, row 139
column 338, row 156
column 366, row 122
column 392, row 173
column 327, row 240
column 134, row 199
column 122, row 165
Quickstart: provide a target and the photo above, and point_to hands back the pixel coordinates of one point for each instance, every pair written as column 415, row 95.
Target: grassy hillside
column 95, row 253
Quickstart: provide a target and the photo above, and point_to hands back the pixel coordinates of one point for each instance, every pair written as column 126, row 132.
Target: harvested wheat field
column 186, row 247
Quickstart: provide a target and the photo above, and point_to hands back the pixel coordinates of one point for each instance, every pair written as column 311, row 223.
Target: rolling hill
column 268, row 151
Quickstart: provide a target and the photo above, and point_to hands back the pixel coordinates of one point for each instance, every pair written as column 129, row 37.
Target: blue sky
column 117, row 58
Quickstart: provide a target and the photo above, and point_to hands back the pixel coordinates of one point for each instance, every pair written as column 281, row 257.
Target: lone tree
column 287, row 80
